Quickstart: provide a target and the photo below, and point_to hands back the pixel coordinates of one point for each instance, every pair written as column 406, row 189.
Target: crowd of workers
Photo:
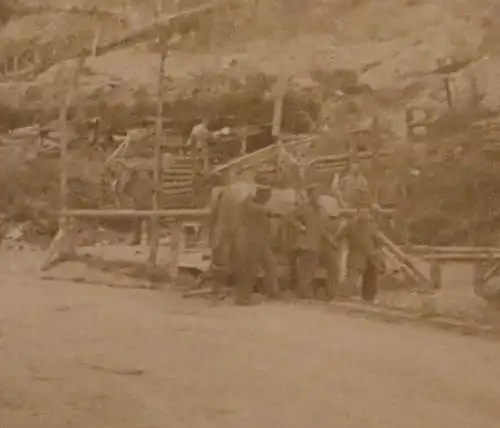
column 243, row 238
column 243, row 232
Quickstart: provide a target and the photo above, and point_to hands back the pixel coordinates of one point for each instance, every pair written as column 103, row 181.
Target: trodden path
column 74, row 355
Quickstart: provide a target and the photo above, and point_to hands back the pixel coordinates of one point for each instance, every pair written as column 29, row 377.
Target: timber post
column 155, row 221
column 63, row 244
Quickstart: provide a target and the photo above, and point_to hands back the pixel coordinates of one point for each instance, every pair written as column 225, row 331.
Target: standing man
column 140, row 186
column 253, row 246
column 364, row 258
column 354, row 186
column 313, row 245
column 198, row 145
column 223, row 223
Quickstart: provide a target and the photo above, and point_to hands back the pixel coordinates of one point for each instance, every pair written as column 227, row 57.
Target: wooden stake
column 447, row 88
column 95, row 42
column 63, row 243
column 155, row 224
column 279, row 95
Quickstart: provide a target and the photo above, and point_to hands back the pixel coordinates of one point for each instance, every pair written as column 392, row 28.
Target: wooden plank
column 65, row 102
column 404, row 258
column 109, row 213
column 279, row 95
column 453, row 249
column 256, row 158
column 461, row 257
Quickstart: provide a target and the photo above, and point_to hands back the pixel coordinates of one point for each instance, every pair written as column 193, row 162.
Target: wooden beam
column 427, row 249
column 95, row 41
column 65, row 102
column 279, row 96
column 117, row 213
column 454, row 257
column 172, row 213
column 155, row 226
column 404, row 258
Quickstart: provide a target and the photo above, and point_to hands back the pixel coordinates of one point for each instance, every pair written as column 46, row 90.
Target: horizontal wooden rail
column 456, row 257
column 174, row 213
column 426, row 249
column 169, row 213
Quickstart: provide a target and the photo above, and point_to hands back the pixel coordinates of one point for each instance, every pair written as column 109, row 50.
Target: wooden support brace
column 62, row 248
column 405, row 259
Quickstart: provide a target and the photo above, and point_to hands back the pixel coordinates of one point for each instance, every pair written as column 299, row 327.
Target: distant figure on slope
column 198, row 145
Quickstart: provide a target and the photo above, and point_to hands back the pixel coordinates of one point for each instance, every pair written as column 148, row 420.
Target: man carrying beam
column 223, row 222
column 253, row 246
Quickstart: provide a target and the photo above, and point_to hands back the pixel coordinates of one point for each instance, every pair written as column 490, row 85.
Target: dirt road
column 74, row 355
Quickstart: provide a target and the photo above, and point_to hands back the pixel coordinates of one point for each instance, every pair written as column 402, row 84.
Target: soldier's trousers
column 306, row 264
column 369, row 282
column 251, row 258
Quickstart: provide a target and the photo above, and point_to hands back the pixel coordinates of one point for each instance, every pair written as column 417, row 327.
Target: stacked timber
column 338, row 163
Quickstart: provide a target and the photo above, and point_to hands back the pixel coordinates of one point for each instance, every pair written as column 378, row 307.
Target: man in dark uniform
column 313, row 246
column 364, row 258
column 253, row 246
column 140, row 187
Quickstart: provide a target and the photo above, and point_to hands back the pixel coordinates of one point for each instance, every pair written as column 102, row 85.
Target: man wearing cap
column 364, row 256
column 223, row 222
column 253, row 245
column 313, row 245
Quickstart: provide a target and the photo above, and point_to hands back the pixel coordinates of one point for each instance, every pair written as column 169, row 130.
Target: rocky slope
column 391, row 49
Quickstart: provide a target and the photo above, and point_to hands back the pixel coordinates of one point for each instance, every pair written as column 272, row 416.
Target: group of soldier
column 243, row 236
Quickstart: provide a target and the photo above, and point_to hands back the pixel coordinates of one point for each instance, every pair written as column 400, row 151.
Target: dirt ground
column 76, row 355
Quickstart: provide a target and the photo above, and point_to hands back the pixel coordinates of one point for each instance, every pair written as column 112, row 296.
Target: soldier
column 314, row 245
column 223, row 221
column 140, row 187
column 364, row 256
column 253, row 246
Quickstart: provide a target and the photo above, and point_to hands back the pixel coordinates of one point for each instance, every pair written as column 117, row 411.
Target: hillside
column 363, row 57
column 392, row 46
